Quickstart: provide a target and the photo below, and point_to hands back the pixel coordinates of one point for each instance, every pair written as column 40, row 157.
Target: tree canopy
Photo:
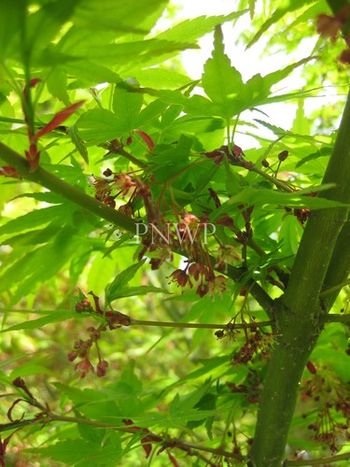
column 174, row 259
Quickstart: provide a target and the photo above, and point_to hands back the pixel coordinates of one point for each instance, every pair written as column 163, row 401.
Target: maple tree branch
column 189, row 448
column 77, row 196
column 321, row 461
column 335, row 318
column 170, row 324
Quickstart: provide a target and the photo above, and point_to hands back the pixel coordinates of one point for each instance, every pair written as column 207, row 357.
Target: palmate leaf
column 40, row 264
column 80, row 453
column 192, row 29
column 54, row 317
column 41, row 26
column 127, row 106
column 278, row 14
column 34, row 219
column 121, row 15
column 98, row 126
column 221, row 82
column 121, row 280
column 262, row 196
column 134, row 291
column 117, row 54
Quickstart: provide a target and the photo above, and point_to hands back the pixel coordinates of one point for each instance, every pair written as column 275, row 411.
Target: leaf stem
column 166, row 442
column 335, row 318
column 170, row 324
column 321, row 461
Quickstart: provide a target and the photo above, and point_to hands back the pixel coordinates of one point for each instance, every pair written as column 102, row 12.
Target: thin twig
column 335, row 288
column 170, row 324
column 166, row 442
column 320, row 461
column 335, row 318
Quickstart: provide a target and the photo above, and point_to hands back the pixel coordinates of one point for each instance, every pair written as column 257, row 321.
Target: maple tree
column 169, row 295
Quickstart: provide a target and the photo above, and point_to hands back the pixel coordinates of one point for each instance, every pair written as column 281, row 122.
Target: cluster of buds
column 164, row 236
column 233, row 154
column 107, row 189
column 226, row 254
column 331, row 26
column 201, row 276
column 302, row 214
column 331, row 425
column 82, row 348
column 250, row 388
column 125, row 183
column 282, row 156
column 256, row 342
column 8, row 171
column 103, row 191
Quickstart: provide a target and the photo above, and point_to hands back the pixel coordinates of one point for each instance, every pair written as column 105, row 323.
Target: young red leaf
column 32, row 83
column 147, row 139
column 173, row 460
column 33, row 156
column 59, row 118
column 8, row 171
column 311, row 367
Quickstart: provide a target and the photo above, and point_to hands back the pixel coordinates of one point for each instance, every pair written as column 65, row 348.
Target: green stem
column 167, row 442
column 335, row 318
column 170, row 324
column 53, row 183
column 298, row 319
column 322, row 461
column 335, row 288
column 338, row 270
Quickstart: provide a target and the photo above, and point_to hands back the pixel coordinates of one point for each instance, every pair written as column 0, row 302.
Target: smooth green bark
column 299, row 315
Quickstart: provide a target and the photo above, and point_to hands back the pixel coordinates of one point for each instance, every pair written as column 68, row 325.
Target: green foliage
column 168, row 334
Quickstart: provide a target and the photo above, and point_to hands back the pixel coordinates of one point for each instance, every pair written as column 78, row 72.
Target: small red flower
column 101, row 368
column 8, row 171
column 202, row 290
column 83, row 305
column 146, row 138
column 181, row 278
column 328, row 26
column 84, row 367
column 345, row 56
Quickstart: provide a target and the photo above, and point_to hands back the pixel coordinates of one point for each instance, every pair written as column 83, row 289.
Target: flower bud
column 282, row 156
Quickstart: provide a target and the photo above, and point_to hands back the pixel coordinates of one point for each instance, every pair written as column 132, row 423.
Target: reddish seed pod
column 282, row 156
column 345, row 56
column 107, row 173
column 202, row 290
column 101, row 368
column 109, row 201
column 72, row 356
column 220, row 334
column 265, row 163
column 83, row 305
column 311, row 367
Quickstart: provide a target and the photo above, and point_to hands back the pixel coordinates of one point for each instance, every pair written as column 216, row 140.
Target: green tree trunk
column 298, row 313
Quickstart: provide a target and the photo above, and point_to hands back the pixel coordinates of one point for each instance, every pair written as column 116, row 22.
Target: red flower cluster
column 251, row 387
column 331, row 26
column 82, row 349
column 202, row 276
column 333, row 409
column 256, row 342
